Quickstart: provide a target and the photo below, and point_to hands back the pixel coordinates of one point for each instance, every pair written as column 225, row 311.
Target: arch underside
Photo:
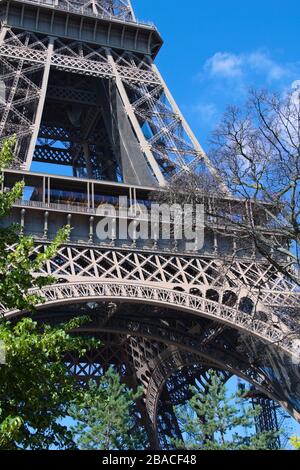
column 169, row 346
column 151, row 330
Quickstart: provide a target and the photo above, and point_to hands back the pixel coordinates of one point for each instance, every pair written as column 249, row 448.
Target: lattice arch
column 278, row 343
column 278, row 335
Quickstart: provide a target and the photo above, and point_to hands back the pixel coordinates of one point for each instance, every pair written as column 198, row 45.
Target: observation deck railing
column 83, row 11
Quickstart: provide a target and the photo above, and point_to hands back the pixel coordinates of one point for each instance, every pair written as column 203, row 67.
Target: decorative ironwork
column 89, row 292
column 80, row 91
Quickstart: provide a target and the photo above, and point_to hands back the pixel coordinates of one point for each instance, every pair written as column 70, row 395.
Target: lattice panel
column 72, row 95
column 163, row 127
column 162, row 124
column 72, row 56
column 21, row 81
column 120, row 9
column 49, row 154
column 268, row 330
column 171, row 270
column 92, row 60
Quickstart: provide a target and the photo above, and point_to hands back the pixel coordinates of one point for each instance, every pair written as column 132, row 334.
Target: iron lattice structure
column 94, row 120
column 268, row 419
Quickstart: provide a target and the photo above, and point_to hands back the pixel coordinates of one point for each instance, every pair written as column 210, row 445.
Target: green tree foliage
column 18, row 264
column 216, row 421
column 105, row 418
column 295, row 442
column 35, row 389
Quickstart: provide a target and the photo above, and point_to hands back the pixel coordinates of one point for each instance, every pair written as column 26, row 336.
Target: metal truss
column 117, row 351
column 167, row 365
column 73, row 56
column 162, row 133
column 22, row 85
column 228, row 280
column 140, row 361
column 213, row 344
column 201, row 287
column 166, row 318
column 158, row 344
column 89, row 292
column 120, row 9
column 267, row 420
column 177, row 391
column 166, row 134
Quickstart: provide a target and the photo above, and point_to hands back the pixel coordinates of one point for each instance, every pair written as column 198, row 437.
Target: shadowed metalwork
column 95, row 120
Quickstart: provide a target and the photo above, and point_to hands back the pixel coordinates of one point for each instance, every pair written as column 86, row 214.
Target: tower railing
column 82, row 11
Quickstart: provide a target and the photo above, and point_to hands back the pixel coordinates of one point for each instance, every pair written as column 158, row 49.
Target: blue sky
column 215, row 50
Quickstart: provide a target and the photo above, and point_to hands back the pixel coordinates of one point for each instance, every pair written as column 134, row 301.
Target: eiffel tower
column 95, row 120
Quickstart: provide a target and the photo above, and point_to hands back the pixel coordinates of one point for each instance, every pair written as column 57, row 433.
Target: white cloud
column 261, row 62
column 224, row 64
column 229, row 65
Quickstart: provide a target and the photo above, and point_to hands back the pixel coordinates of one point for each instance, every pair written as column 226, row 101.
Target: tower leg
column 148, row 425
column 267, row 420
column 39, row 111
column 133, row 119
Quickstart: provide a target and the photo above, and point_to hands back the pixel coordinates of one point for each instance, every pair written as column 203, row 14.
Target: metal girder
column 169, row 312
column 51, row 132
column 66, row 56
column 267, row 420
column 141, row 138
column 90, row 22
column 241, row 276
column 169, row 144
column 168, row 363
column 23, row 91
column 88, row 291
column 150, row 362
column 71, row 95
column 156, row 364
column 40, row 107
column 61, row 156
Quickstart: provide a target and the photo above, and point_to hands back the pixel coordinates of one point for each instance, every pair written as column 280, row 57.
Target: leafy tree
column 295, row 442
column 105, row 417
column 18, row 264
column 214, row 421
column 35, row 389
